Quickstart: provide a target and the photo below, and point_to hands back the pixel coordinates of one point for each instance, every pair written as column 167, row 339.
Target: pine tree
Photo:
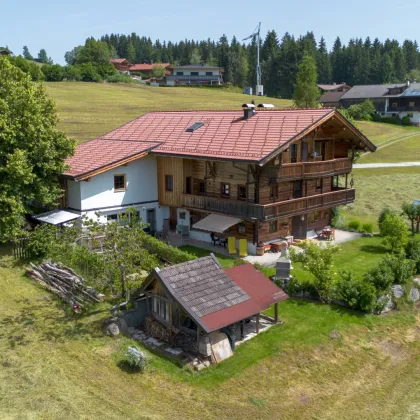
column 400, row 66
column 130, row 53
column 306, row 93
column 386, row 70
column 42, row 56
column 26, row 54
column 323, row 63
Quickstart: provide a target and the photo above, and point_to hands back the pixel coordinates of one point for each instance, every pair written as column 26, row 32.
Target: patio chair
column 319, row 234
column 232, row 245
column 243, row 248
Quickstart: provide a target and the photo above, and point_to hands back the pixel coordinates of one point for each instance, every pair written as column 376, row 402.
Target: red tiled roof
column 100, row 153
column 261, row 290
column 147, row 67
column 225, row 134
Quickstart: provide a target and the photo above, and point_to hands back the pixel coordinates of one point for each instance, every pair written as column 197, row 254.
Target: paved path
column 384, row 165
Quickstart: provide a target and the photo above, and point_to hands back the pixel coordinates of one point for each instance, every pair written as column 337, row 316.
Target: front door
column 304, row 152
column 151, row 220
column 173, row 218
column 299, row 227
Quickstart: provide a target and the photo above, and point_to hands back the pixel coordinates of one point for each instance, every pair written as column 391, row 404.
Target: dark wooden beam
column 276, row 313
column 257, row 326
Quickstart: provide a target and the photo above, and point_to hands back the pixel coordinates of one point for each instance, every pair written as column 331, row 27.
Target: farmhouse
column 147, row 69
column 271, row 174
column 390, row 100
column 194, row 302
column 195, row 74
column 121, row 64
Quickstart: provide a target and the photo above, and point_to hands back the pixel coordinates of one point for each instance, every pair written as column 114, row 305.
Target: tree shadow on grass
column 47, row 319
column 374, row 249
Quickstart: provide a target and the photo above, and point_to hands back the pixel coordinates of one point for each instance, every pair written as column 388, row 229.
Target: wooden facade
column 300, row 180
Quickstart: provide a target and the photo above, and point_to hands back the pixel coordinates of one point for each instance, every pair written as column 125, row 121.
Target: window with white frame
column 160, row 307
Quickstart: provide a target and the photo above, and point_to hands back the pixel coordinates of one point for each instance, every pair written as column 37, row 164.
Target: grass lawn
column 87, row 110
column 382, row 187
column 53, row 366
column 225, row 261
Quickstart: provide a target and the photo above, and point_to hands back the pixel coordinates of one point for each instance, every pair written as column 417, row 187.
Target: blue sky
column 58, row 26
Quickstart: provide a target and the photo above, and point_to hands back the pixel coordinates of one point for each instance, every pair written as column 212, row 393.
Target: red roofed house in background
column 262, row 175
column 147, row 69
column 185, row 304
column 121, row 64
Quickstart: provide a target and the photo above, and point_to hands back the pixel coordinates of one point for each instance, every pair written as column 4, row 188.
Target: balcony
column 269, row 211
column 305, row 170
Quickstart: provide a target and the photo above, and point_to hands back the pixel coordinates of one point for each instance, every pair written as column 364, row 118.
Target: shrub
column 406, row 120
column 366, row 228
column 402, row 268
column 384, row 212
column 121, row 78
column 394, row 231
column 136, row 359
column 338, row 220
column 376, row 118
column 40, row 241
column 412, row 250
column 358, row 294
column 381, row 277
column 362, row 111
column 72, row 73
column 354, row 225
column 29, row 67
column 391, row 120
column 166, row 252
column 53, row 72
column 89, row 73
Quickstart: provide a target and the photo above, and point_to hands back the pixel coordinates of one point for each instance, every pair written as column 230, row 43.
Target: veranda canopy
column 56, row 217
column 216, row 223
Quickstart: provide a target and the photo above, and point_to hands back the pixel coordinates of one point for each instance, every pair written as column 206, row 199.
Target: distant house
column 147, row 69
column 121, row 64
column 390, row 100
column 331, row 99
column 5, row 51
column 196, row 74
column 195, row 302
column 335, row 87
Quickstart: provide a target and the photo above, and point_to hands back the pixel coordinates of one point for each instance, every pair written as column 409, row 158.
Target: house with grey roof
column 390, row 100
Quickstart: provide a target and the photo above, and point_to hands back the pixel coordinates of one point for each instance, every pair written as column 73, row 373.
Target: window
column 297, row 189
column 119, row 183
column 241, row 192
column 293, row 153
column 179, row 73
column 182, row 215
column 394, row 104
column 334, row 182
column 320, row 148
column 169, row 183
column 411, row 104
column 112, row 217
column 241, row 228
column 161, row 308
column 274, row 192
column 202, row 187
column 272, row 227
column 225, row 190
column 209, row 73
column 318, row 185
column 194, row 73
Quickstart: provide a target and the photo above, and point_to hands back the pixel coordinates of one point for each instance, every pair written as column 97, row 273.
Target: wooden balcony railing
column 312, row 169
column 307, row 204
column 270, row 211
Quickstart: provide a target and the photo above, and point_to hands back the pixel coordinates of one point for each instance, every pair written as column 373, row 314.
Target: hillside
column 88, row 110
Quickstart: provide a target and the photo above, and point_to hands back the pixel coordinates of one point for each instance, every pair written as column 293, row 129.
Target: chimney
column 249, row 110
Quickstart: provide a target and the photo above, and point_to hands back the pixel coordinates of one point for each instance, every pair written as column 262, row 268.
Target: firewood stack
column 155, row 329
column 63, row 282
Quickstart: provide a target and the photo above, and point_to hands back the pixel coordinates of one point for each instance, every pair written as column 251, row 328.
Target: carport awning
column 216, row 223
column 56, row 217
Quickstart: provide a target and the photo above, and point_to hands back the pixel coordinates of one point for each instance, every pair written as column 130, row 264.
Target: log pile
column 63, row 282
column 155, row 329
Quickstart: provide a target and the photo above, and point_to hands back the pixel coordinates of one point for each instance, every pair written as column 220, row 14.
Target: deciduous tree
column 32, row 150
column 306, row 92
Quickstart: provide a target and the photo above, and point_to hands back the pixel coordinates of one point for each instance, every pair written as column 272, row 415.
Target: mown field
column 88, row 110
column 53, row 366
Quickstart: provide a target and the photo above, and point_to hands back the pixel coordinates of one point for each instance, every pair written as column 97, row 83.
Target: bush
column 72, row 73
column 29, row 67
column 121, row 78
column 366, row 228
column 166, row 252
column 41, row 240
column 53, row 72
column 412, row 250
column 362, row 111
column 358, row 294
column 402, row 269
column 394, row 231
column 384, row 212
column 89, row 73
column 338, row 220
column 354, row 225
column 376, row 117
column 136, row 359
column 391, row 120
column 406, row 120
column 381, row 277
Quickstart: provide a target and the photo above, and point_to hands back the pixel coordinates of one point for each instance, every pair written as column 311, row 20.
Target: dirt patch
column 394, row 350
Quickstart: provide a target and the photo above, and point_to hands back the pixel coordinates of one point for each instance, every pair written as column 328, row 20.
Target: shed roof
column 214, row 297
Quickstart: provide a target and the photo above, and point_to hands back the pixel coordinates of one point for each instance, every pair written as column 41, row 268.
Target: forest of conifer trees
column 358, row 62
